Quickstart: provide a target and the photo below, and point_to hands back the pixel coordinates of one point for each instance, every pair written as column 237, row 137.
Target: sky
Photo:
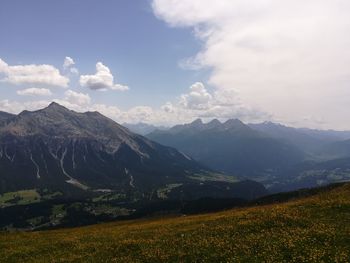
column 168, row 61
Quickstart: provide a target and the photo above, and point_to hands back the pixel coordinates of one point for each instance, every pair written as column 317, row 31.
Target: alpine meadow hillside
column 313, row 226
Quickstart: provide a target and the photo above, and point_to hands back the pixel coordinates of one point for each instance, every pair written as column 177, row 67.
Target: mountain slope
column 311, row 229
column 294, row 136
column 232, row 147
column 335, row 150
column 4, row 116
column 59, row 149
column 55, row 146
column 310, row 141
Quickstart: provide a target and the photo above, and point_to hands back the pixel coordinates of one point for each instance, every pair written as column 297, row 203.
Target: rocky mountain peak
column 197, row 122
column 233, row 123
column 55, row 105
column 213, row 123
column 56, row 120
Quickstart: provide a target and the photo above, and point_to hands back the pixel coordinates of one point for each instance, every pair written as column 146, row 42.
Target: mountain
column 4, row 116
column 335, row 150
column 304, row 141
column 77, row 153
column 328, row 135
column 142, row 128
column 309, row 140
column 231, row 147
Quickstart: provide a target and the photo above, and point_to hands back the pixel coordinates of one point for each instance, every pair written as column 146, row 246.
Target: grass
column 312, row 229
column 217, row 177
column 163, row 192
column 19, row 198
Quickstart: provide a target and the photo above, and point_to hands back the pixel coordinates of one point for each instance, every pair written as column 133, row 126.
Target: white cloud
column 3, row 66
column 132, row 115
column 273, row 53
column 199, row 102
column 34, row 92
column 68, row 64
column 32, row 74
column 139, row 114
column 102, row 80
column 186, row 108
column 78, row 98
column 198, row 97
column 168, row 107
column 16, row 107
column 112, row 112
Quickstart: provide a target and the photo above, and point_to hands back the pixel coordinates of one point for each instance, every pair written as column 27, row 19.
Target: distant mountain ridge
column 309, row 140
column 281, row 157
column 198, row 125
column 56, row 148
column 232, row 147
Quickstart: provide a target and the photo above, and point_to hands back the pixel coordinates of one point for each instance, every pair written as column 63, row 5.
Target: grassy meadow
column 19, row 198
column 312, row 229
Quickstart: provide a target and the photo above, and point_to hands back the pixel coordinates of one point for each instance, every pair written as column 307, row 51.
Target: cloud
column 139, row 114
column 68, row 64
column 198, row 102
column 102, row 80
column 34, row 92
column 132, row 115
column 274, row 54
column 222, row 104
column 112, row 112
column 16, row 107
column 80, row 99
column 32, row 74
column 197, row 98
column 168, row 107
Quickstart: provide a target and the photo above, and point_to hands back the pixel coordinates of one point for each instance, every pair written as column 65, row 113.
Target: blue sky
column 140, row 50
column 168, row 61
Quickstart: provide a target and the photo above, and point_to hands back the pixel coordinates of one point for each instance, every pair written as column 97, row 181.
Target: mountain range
column 59, row 167
column 231, row 147
column 77, row 153
column 311, row 141
column 281, row 157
